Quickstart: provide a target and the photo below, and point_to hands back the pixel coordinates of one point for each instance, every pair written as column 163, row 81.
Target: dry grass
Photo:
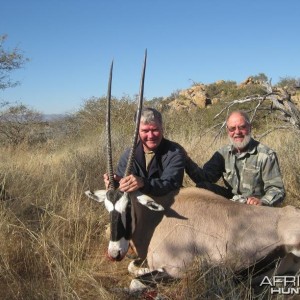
column 52, row 238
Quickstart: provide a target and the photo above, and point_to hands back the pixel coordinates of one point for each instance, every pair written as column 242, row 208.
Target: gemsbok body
column 171, row 231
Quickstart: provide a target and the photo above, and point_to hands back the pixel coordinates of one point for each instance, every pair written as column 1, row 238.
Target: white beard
column 241, row 145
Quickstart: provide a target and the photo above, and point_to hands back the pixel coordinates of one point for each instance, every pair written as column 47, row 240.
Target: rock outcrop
column 196, row 97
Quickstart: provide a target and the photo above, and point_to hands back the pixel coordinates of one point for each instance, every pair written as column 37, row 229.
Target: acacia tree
column 10, row 60
column 17, row 121
column 19, row 124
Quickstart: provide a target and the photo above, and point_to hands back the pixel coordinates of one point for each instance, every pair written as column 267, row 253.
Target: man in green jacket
column 249, row 169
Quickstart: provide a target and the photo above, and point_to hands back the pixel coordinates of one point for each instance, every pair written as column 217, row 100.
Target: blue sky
column 71, row 43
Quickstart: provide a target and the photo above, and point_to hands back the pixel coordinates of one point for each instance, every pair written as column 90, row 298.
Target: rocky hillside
column 201, row 96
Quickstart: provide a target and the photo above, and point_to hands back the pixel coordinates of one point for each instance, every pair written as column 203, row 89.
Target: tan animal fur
column 199, row 223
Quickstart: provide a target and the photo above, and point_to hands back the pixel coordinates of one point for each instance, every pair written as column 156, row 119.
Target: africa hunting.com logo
column 282, row 285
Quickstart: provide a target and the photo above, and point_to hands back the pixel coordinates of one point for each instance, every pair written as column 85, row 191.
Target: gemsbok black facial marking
column 120, row 215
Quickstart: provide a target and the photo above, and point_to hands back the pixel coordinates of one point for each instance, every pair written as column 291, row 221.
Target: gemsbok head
column 116, row 202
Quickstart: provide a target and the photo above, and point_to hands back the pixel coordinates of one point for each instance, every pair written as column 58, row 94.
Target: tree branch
column 280, row 102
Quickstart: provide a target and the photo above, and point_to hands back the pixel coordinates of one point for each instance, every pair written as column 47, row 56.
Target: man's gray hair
column 151, row 115
column 242, row 113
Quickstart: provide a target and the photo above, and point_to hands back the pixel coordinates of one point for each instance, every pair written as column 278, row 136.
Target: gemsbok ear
column 149, row 202
column 99, row 195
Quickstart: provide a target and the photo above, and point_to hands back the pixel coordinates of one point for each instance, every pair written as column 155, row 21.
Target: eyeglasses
column 240, row 128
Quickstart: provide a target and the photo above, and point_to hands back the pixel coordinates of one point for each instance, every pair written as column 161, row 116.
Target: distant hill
column 53, row 117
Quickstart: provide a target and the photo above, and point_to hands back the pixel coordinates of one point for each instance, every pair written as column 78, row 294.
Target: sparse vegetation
column 53, row 238
column 19, row 124
column 10, row 60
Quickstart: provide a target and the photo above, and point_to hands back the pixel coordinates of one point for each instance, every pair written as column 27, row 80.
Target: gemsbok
column 172, row 231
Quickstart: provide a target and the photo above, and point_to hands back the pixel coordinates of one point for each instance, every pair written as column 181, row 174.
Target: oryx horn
column 108, row 133
column 137, row 120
